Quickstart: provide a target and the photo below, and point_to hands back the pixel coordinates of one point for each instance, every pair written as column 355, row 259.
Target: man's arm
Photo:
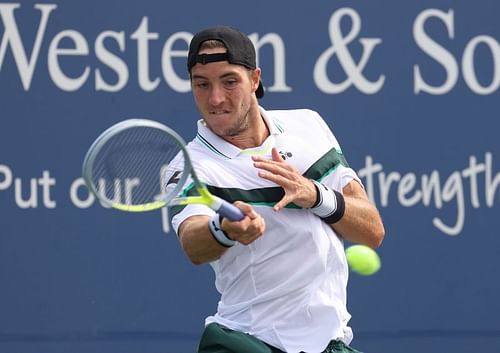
column 201, row 246
column 360, row 223
column 197, row 241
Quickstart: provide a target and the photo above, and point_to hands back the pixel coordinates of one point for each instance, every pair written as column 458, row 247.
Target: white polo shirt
column 288, row 288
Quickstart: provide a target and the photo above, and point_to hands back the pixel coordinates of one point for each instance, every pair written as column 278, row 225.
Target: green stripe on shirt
column 269, row 196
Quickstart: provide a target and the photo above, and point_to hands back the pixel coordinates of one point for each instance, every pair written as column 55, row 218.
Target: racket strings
column 128, row 168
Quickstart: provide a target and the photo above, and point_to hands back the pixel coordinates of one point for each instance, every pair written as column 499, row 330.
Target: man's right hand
column 248, row 229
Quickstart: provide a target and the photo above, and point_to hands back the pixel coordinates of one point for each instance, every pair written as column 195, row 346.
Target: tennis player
column 281, row 271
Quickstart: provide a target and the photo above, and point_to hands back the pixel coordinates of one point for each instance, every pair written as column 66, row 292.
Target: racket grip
column 230, row 211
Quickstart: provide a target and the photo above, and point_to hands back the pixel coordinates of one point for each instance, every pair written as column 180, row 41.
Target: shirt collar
column 225, row 149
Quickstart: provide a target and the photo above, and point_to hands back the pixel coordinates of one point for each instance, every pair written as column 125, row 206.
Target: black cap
column 240, row 50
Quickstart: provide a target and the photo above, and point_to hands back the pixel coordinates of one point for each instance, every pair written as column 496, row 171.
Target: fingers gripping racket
column 140, row 165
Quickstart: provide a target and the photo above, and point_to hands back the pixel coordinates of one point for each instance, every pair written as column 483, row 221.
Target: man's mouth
column 219, row 112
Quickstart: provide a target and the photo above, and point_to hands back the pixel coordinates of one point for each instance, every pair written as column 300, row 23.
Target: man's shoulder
column 296, row 118
column 196, row 148
column 293, row 113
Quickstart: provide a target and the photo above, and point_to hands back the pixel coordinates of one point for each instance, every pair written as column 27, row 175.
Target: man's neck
column 253, row 136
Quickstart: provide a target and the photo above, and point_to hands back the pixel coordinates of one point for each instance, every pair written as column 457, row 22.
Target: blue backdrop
column 410, row 88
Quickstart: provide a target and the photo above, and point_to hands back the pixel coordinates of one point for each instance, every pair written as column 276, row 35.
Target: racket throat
column 210, row 200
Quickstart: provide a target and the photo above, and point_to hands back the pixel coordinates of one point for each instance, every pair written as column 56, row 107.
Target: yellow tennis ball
column 362, row 259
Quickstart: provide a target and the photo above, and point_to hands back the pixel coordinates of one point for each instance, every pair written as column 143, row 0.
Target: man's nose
column 217, row 95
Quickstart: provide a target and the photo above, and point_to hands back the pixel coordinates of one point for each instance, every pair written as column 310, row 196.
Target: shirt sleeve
column 189, row 211
column 181, row 213
column 343, row 174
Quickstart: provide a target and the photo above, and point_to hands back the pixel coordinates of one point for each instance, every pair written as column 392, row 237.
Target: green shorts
column 219, row 339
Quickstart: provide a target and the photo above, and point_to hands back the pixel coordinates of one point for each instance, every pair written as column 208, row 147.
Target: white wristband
column 327, row 201
column 214, row 225
column 330, row 204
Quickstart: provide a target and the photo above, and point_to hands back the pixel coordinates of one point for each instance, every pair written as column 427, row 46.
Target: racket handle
column 230, row 211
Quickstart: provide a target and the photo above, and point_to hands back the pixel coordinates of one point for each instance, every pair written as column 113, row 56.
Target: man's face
column 224, row 94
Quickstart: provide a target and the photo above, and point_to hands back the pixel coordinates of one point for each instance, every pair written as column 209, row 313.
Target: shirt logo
column 285, row 155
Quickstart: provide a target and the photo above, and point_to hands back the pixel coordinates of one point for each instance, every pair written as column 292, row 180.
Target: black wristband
column 339, row 212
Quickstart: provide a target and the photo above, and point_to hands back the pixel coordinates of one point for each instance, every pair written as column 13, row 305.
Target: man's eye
column 231, row 83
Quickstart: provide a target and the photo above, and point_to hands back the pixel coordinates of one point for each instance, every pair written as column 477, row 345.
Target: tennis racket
column 140, row 165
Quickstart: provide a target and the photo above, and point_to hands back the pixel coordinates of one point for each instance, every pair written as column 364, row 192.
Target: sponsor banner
column 411, row 91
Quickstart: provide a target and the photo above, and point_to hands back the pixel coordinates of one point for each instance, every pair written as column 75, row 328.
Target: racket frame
column 161, row 200
column 205, row 197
